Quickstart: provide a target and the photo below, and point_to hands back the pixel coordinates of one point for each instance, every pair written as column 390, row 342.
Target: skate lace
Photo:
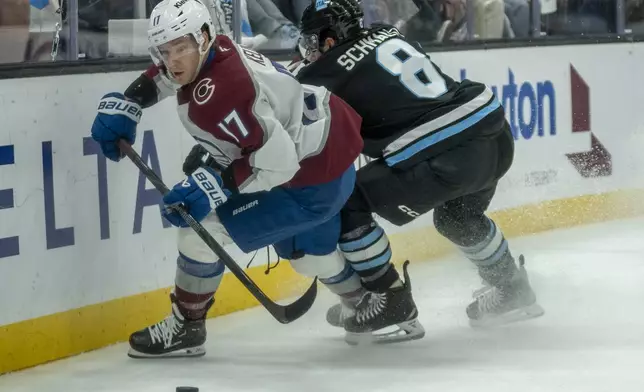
column 165, row 330
column 490, row 299
column 375, row 304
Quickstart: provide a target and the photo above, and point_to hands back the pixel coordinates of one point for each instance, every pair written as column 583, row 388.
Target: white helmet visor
column 178, row 53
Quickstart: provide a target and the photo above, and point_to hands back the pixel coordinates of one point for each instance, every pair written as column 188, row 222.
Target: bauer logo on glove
column 117, row 119
column 119, row 106
column 215, row 193
column 200, row 193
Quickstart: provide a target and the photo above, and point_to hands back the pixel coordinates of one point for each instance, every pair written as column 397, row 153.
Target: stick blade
column 288, row 313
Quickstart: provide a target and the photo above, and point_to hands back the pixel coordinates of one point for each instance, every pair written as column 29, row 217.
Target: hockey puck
column 187, row 389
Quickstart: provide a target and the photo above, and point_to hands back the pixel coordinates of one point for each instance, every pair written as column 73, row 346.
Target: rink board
column 86, row 258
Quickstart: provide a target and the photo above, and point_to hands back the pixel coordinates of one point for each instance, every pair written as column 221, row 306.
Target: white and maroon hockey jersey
column 265, row 127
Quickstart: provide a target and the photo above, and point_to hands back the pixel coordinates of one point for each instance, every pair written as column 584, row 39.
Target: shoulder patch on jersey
column 203, row 91
column 252, row 55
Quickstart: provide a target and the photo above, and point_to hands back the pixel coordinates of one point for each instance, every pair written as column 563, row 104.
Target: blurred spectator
column 223, row 9
column 266, row 19
column 424, row 25
column 518, row 13
column 395, row 13
column 14, row 30
column 490, row 21
column 635, row 16
column 292, row 9
column 578, row 17
column 263, row 25
column 271, row 24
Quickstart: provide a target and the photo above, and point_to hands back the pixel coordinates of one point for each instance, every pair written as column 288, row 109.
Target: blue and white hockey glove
column 200, row 193
column 117, row 118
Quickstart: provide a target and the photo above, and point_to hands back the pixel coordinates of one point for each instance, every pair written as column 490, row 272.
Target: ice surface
column 590, row 280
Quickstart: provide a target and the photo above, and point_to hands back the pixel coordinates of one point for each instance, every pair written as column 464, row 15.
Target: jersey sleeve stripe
column 439, row 129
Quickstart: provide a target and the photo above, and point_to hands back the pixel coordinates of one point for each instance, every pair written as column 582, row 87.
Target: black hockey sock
column 367, row 250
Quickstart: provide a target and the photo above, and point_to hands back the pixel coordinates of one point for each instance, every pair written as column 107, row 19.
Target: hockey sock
column 367, row 250
column 332, row 270
column 492, row 256
column 195, row 284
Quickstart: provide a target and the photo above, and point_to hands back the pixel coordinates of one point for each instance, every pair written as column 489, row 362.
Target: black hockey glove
column 197, row 157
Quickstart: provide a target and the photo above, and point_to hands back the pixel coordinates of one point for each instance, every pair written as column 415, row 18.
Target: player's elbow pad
column 144, row 91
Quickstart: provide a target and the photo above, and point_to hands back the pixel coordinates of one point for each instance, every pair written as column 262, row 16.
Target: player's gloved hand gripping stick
column 282, row 313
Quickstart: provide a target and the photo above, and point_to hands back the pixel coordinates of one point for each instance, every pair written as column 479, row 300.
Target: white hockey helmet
column 172, row 19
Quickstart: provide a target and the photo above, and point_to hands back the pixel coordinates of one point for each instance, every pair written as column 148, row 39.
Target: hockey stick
column 283, row 313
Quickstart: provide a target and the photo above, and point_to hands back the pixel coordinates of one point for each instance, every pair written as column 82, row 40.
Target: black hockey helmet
column 337, row 19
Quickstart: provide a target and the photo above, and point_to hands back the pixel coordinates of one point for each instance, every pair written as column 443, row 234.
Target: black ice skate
column 338, row 313
column 387, row 317
column 172, row 337
column 509, row 302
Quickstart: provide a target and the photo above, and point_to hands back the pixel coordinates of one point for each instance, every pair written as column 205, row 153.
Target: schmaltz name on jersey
column 363, row 47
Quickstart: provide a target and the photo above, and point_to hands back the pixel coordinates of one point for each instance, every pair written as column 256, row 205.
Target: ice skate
column 172, row 337
column 338, row 313
column 387, row 317
column 506, row 303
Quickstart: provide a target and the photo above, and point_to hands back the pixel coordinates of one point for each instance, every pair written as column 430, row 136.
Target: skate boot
column 172, row 337
column 386, row 317
column 338, row 313
column 508, row 302
column 480, row 291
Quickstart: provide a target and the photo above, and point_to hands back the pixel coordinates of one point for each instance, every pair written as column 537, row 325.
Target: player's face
column 309, row 47
column 181, row 56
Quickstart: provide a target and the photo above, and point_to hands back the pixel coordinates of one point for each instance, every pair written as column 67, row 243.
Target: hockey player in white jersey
column 285, row 153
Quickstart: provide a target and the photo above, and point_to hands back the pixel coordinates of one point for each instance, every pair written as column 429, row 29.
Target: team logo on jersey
column 203, row 91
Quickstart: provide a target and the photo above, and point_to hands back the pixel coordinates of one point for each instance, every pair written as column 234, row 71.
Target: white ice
column 589, row 279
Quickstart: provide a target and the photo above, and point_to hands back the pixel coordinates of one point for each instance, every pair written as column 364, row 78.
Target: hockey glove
column 197, row 158
column 200, row 193
column 117, row 118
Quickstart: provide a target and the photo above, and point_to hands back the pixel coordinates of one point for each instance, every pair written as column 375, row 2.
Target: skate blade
column 198, row 351
column 522, row 314
column 405, row 331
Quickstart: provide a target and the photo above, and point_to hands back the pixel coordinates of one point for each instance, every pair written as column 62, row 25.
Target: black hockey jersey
column 410, row 109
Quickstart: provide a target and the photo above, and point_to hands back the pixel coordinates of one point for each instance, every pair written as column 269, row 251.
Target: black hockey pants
column 458, row 184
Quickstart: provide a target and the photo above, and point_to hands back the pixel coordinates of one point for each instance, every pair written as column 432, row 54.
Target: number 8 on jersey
column 414, row 70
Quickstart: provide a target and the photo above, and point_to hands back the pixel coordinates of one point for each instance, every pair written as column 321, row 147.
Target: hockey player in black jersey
column 436, row 144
